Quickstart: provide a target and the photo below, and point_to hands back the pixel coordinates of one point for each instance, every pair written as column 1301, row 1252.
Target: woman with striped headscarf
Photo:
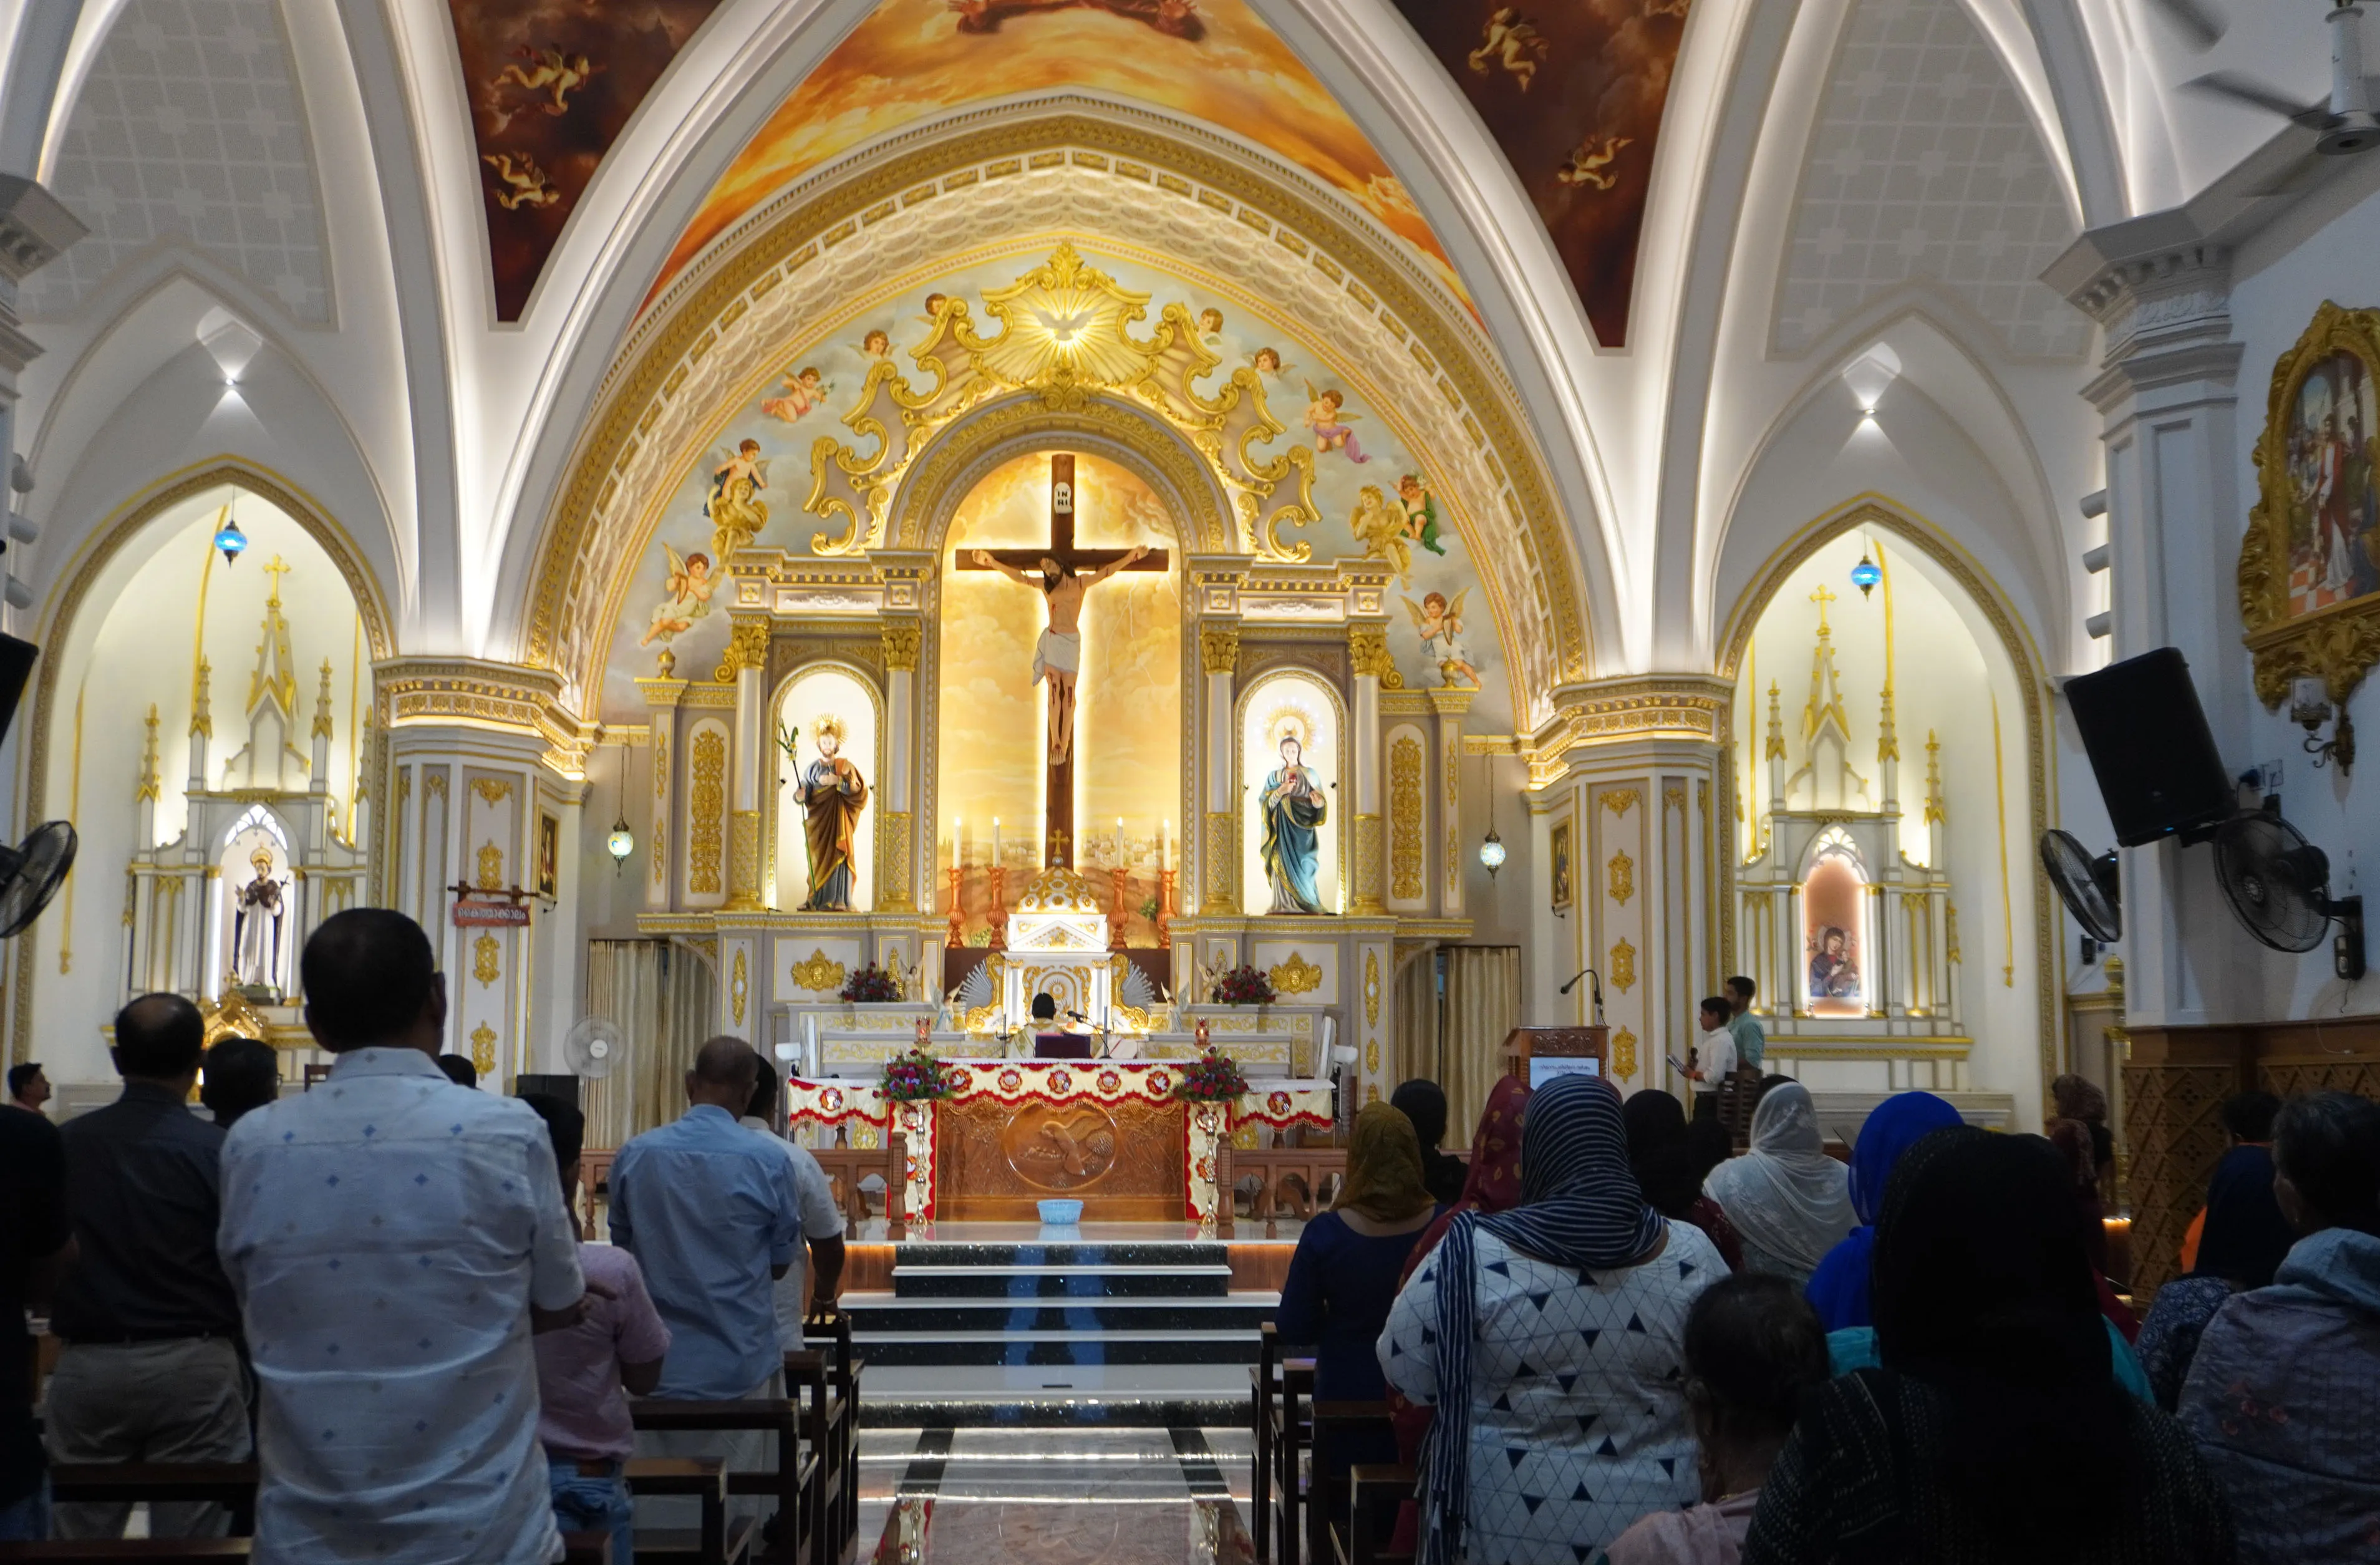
column 1550, row 1339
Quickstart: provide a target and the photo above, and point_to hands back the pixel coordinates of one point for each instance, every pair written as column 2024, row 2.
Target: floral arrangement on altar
column 1213, row 1077
column 1244, row 986
column 870, row 985
column 916, row 1077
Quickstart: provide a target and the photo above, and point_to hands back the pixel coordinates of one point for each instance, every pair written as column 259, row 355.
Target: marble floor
column 1114, row 1496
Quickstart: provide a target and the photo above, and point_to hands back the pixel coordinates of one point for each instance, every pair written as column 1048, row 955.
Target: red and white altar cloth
column 1275, row 1104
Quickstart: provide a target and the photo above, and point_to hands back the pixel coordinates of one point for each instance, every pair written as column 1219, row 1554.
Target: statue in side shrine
column 831, row 794
column 1294, row 809
column 256, row 926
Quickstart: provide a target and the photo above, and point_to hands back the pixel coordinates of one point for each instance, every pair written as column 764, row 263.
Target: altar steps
column 1128, row 1333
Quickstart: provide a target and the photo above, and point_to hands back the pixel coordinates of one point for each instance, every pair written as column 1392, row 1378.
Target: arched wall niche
column 2008, row 664
column 350, row 629
column 826, row 688
column 1291, row 702
column 666, row 387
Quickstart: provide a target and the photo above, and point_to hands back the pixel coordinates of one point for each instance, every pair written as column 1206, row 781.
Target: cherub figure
column 687, row 584
column 804, row 393
column 1440, row 625
column 934, row 303
column 878, row 344
column 549, row 71
column 737, row 513
column 1380, row 528
column 1512, row 40
column 526, row 184
column 1266, row 362
column 1420, row 511
column 1210, row 326
column 1323, row 415
column 1589, row 162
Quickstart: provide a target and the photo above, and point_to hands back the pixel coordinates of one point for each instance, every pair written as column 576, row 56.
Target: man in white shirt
column 1714, row 1056
column 394, row 1240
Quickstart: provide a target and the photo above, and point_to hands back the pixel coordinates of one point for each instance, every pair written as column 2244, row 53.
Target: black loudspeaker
column 564, row 1086
column 2150, row 747
column 16, row 663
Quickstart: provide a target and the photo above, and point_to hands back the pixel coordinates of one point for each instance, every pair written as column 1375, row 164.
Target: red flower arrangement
column 870, row 984
column 916, row 1077
column 1244, row 986
column 1214, row 1078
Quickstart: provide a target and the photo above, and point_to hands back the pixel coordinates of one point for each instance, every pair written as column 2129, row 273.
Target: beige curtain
column 1483, row 1005
column 665, row 998
column 1413, row 1049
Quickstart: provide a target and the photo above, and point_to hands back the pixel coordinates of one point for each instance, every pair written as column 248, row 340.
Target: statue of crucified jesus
column 1058, row 655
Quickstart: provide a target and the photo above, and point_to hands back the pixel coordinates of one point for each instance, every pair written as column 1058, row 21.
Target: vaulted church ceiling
column 1925, row 173
column 1573, row 94
column 190, row 132
column 552, row 84
column 1211, row 60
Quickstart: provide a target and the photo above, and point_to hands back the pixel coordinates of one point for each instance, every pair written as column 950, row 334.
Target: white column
column 2168, row 400
column 896, row 834
column 1367, row 646
column 1218, row 845
column 662, row 850
column 747, row 652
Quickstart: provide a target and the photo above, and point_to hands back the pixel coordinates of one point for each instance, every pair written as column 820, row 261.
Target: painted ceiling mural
column 1573, row 92
column 552, row 83
column 748, row 489
column 1209, row 60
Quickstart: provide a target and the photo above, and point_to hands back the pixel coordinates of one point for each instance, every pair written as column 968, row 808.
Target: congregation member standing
column 1789, row 1203
column 1550, row 1340
column 1662, row 1157
column 28, row 1087
column 711, row 1213
column 2236, row 1244
column 149, row 1368
column 1993, row 1430
column 584, row 1372
column 2283, row 1392
column 1424, row 1102
column 241, row 1076
column 36, row 1239
column 1839, row 1289
column 394, row 1240
column 822, row 1218
column 1751, row 1042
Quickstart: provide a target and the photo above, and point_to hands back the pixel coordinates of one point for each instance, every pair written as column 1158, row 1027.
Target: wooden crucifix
column 1062, row 574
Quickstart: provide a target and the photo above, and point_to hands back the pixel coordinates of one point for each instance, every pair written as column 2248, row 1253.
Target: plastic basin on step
column 1060, row 1214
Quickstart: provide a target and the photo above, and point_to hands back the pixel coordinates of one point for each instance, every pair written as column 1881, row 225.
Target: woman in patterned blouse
column 1550, row 1339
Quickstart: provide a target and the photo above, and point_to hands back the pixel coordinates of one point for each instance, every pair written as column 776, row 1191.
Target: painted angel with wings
column 686, row 585
column 1379, row 527
column 1329, row 424
column 1266, row 362
column 1440, row 625
column 734, row 508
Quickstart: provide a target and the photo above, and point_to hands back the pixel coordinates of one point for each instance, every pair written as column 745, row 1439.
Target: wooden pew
column 787, row 1482
column 1289, row 1431
column 584, row 1548
column 1328, row 1494
column 231, row 1484
column 830, row 1377
column 1375, row 1494
column 705, row 1478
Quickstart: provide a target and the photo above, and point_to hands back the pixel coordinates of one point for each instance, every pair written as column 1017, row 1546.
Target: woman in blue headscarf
column 1550, row 1339
column 1839, row 1288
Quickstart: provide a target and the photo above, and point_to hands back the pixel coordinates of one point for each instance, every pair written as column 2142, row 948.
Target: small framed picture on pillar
column 1561, row 854
column 549, row 855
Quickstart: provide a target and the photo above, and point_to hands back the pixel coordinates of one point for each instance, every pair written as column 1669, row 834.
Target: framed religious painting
column 2310, row 566
column 549, row 855
column 1562, row 858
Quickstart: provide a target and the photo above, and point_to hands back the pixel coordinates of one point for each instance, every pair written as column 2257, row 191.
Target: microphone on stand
column 1596, row 990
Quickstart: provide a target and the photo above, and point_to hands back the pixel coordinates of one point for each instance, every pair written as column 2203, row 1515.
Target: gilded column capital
column 1219, row 648
column 1367, row 645
column 901, row 638
column 748, row 646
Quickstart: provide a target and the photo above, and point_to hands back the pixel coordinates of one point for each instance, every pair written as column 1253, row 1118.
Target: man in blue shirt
column 1751, row 1042
column 713, row 1214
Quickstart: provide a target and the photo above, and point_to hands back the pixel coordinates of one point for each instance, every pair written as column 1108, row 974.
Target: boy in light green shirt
column 1751, row 1043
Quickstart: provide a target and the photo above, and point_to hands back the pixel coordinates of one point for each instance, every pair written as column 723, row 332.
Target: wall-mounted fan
column 2345, row 119
column 31, row 872
column 595, row 1049
column 2088, row 886
column 2278, row 884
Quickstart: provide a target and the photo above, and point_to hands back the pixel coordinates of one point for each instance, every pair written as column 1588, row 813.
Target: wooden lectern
column 1583, row 1051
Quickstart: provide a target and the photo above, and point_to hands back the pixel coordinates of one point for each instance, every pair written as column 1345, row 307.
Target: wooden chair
column 1294, row 1176
column 1375, row 1493
column 786, row 1483
column 594, row 1180
column 846, row 1166
column 1333, row 1425
column 231, row 1484
column 705, row 1478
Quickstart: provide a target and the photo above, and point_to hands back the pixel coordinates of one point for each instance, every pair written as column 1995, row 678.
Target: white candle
column 958, row 842
column 995, row 841
column 1119, row 842
column 1162, row 827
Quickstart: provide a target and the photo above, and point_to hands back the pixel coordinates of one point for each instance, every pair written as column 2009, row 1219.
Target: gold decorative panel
column 706, row 805
column 1624, row 966
column 1296, row 975
column 740, row 986
column 1371, row 989
column 483, row 1049
column 492, row 868
column 484, row 955
column 1623, row 1055
column 819, row 973
column 1404, row 819
column 1620, row 801
column 1621, row 874
column 494, row 790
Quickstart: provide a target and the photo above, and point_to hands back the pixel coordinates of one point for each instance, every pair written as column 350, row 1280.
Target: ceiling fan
column 2345, row 121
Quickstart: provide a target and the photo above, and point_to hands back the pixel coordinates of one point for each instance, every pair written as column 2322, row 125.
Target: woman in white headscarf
column 1788, row 1201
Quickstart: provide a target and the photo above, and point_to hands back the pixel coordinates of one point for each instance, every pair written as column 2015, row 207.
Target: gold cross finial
column 1822, row 597
column 276, row 570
